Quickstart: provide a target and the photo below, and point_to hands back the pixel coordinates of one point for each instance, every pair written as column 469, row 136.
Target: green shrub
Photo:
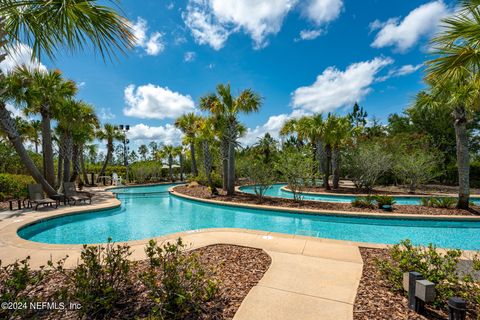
column 178, row 284
column 364, row 202
column 262, row 176
column 102, row 279
column 438, row 202
column 384, row 201
column 439, row 268
column 14, row 185
column 201, row 179
column 15, row 278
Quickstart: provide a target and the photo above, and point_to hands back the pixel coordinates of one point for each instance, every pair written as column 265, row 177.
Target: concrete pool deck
column 309, row 278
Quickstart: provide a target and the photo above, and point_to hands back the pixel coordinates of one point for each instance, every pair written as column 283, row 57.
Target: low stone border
column 286, row 189
column 329, row 212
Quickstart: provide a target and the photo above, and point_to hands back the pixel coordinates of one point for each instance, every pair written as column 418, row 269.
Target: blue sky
column 301, row 56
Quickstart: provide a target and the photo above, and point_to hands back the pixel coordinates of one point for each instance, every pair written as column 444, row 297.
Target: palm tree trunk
column 463, row 157
column 47, row 149
column 170, row 167
column 59, row 166
column 194, row 160
column 328, row 160
column 107, row 159
column 75, row 163
column 224, row 154
column 231, row 169
column 7, row 124
column 67, row 158
column 320, row 155
column 180, row 158
column 336, row 167
column 207, row 164
column 82, row 166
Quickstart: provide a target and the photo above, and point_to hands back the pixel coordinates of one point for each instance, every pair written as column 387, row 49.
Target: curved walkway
column 309, row 278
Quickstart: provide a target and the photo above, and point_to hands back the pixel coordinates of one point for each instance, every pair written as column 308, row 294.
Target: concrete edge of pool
column 403, row 216
column 286, row 189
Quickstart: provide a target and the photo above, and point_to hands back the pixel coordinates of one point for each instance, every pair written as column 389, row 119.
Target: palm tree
column 226, row 108
column 168, row 152
column 455, row 69
column 188, row 124
column 310, row 129
column 42, row 92
column 266, row 146
column 341, row 132
column 110, row 133
column 206, row 137
column 179, row 153
column 461, row 100
column 48, row 26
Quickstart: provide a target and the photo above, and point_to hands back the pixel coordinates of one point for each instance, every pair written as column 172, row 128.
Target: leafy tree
column 453, row 76
column 226, row 109
column 416, row 166
column 188, row 124
column 42, row 93
column 296, row 167
column 143, row 151
column 48, row 26
column 206, row 137
column 358, row 116
column 366, row 163
column 168, row 152
column 109, row 133
column 262, row 176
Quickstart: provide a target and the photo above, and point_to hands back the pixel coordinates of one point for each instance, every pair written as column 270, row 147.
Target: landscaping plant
column 437, row 267
column 364, row 202
column 296, row 167
column 261, row 175
column 178, row 284
column 101, row 281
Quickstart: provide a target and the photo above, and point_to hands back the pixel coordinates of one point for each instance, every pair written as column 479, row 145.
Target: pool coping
column 447, row 195
column 324, row 212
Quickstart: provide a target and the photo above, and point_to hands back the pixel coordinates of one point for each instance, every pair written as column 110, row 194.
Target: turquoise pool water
column 276, row 191
column 144, row 216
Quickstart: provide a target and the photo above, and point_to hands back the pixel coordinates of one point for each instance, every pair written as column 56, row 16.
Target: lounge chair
column 71, row 193
column 37, row 197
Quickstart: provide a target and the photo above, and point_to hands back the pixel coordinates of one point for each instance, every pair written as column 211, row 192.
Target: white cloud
column 310, row 34
column 106, row 114
column 322, row 11
column 154, row 102
column 152, row 44
column 273, row 126
column 334, row 89
column 167, row 134
column 15, row 112
column 402, row 71
column 404, row 34
column 212, row 21
column 189, row 56
column 18, row 55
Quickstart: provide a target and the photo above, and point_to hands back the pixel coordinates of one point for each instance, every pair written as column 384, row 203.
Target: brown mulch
column 396, row 190
column 237, row 270
column 240, row 197
column 376, row 300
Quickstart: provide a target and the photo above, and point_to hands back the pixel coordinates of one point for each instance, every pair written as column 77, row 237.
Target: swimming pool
column 276, row 191
column 160, row 214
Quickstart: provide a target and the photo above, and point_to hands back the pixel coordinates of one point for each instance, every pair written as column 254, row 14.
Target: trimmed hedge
column 14, row 185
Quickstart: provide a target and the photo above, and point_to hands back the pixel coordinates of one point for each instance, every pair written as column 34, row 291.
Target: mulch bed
column 236, row 268
column 395, row 190
column 239, row 197
column 376, row 300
